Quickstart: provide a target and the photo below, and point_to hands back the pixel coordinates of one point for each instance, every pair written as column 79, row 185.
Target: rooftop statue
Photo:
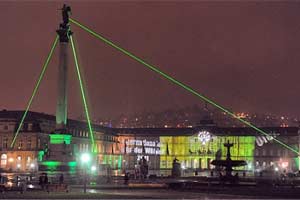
column 66, row 11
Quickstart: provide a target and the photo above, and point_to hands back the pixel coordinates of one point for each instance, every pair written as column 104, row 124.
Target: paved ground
column 149, row 190
column 118, row 194
column 154, row 192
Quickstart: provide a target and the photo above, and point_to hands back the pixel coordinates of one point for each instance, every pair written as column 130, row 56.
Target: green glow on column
column 83, row 96
column 51, row 165
column 120, row 160
column 60, row 138
column 182, row 85
column 72, row 167
column 72, row 164
column 35, row 90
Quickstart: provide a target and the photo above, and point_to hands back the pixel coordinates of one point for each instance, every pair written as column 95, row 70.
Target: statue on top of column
column 66, row 11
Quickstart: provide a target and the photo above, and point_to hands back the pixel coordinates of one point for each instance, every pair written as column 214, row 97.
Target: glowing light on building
column 60, row 138
column 284, row 164
column 242, row 115
column 137, row 146
column 249, row 166
column 9, row 183
column 261, row 140
column 204, row 137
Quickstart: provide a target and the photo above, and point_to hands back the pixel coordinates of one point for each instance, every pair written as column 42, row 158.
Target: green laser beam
column 35, row 90
column 83, row 94
column 173, row 80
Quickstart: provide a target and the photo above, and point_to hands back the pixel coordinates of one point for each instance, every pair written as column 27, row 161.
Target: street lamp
column 85, row 159
column 32, row 165
column 93, row 168
column 18, row 166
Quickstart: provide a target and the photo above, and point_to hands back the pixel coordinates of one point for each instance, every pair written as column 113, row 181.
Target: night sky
column 245, row 56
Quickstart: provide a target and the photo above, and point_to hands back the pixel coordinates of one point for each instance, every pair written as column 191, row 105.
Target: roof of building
column 155, row 132
column 218, row 131
column 39, row 117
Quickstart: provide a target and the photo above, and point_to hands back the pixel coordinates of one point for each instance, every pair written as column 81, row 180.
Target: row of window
column 271, row 152
column 4, row 160
column 21, row 144
column 81, row 133
column 82, row 147
column 12, row 127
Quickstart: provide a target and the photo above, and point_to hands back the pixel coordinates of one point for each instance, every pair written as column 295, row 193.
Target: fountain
column 228, row 164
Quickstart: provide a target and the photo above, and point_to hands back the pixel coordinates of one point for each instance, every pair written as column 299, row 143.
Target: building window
column 264, row 152
column 25, row 127
column 19, row 158
column 279, row 152
column 39, row 143
column 5, row 141
column 99, row 148
column 5, row 127
column 286, row 153
column 29, row 143
column 256, row 152
column 271, row 152
column 3, row 160
column 30, row 127
column 20, row 145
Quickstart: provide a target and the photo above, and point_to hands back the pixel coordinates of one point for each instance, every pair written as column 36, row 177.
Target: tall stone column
column 62, row 101
column 64, row 33
column 58, row 157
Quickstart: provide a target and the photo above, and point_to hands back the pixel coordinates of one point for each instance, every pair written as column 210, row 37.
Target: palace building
column 120, row 149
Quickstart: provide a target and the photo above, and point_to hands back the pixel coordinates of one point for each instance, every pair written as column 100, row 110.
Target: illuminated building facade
column 196, row 147
column 120, row 149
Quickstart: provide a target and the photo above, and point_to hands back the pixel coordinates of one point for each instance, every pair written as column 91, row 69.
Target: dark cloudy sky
column 245, row 56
